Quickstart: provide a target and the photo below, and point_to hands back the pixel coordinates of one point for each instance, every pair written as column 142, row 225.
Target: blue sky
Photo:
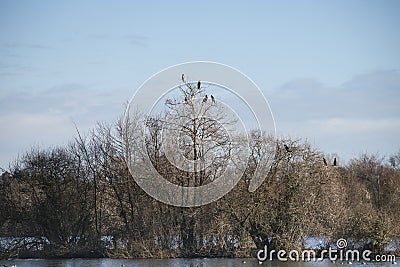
column 330, row 69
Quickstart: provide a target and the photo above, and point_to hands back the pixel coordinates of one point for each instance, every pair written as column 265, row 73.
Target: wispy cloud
column 132, row 39
column 12, row 69
column 99, row 36
column 73, row 99
column 369, row 95
column 13, row 45
column 360, row 113
column 48, row 117
column 351, row 126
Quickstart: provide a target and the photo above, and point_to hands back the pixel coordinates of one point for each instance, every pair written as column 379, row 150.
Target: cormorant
column 326, row 164
column 212, row 98
column 287, row 148
column 183, row 77
column 205, row 98
column 334, row 162
column 198, row 84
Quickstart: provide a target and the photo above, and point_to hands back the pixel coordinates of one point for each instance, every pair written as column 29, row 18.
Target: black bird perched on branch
column 212, row 99
column 205, row 98
column 198, row 84
column 287, row 148
column 325, row 163
column 334, row 162
column 183, row 77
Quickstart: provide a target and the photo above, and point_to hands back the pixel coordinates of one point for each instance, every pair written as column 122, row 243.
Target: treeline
column 81, row 200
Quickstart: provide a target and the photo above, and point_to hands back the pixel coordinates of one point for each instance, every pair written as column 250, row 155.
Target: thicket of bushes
column 81, row 200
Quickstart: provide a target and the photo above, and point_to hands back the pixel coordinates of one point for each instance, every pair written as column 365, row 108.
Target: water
column 216, row 262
